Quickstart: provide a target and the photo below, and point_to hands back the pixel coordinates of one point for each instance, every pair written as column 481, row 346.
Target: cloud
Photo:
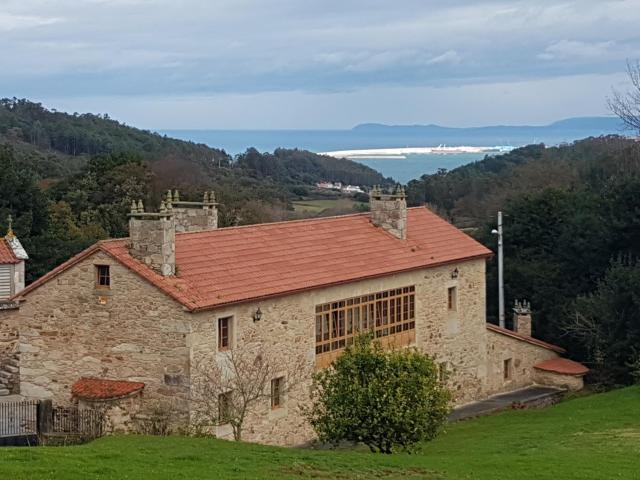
column 10, row 22
column 576, row 49
column 238, row 48
column 450, row 56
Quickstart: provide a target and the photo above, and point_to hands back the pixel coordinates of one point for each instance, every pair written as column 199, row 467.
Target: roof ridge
column 298, row 220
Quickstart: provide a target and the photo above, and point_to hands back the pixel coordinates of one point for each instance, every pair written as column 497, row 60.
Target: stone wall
column 286, row 331
column 523, row 357
column 132, row 331
column 122, row 415
column 568, row 382
column 195, row 216
column 9, row 352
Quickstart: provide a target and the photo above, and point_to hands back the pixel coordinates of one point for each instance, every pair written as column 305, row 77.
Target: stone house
column 127, row 321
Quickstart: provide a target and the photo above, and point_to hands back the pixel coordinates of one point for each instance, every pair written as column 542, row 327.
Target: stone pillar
column 152, row 238
column 389, row 211
column 522, row 317
column 194, row 216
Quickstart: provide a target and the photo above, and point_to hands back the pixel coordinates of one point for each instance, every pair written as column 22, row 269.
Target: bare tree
column 626, row 105
column 228, row 389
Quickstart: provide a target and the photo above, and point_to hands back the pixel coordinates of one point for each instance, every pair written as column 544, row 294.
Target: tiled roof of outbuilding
column 6, row 253
column 102, row 389
column 563, row 366
column 231, row 265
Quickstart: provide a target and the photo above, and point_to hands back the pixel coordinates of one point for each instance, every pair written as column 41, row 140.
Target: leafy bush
column 388, row 400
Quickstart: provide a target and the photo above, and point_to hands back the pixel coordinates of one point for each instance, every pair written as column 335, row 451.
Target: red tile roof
column 231, row 265
column 525, row 338
column 563, row 366
column 101, row 389
column 6, row 253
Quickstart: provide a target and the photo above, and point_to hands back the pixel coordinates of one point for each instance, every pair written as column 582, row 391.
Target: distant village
column 338, row 186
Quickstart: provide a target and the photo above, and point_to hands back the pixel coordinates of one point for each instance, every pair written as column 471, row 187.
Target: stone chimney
column 152, row 237
column 389, row 210
column 522, row 317
column 194, row 216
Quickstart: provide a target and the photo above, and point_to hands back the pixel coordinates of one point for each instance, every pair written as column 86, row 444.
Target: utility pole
column 500, row 272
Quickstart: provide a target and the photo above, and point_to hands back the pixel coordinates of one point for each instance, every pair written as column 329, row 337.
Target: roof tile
column 231, row 265
column 6, row 253
column 563, row 366
column 102, row 389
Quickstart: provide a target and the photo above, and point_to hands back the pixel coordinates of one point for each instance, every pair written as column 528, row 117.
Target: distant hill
column 471, row 195
column 563, row 131
column 57, row 144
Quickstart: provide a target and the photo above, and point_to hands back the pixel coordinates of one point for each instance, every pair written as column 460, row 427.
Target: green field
column 594, row 437
column 318, row 206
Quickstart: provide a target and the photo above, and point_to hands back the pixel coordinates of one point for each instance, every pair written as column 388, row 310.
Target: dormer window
column 103, row 276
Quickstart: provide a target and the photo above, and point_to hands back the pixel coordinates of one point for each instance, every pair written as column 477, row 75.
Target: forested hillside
column 572, row 241
column 68, row 180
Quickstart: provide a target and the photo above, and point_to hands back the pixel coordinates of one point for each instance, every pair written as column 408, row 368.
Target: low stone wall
column 568, row 382
column 9, row 358
column 522, row 355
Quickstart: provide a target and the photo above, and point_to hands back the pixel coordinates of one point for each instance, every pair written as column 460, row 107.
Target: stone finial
column 10, row 235
column 163, row 207
column 140, row 207
column 134, row 207
column 205, row 197
column 212, row 196
column 169, row 197
column 176, row 195
column 522, row 307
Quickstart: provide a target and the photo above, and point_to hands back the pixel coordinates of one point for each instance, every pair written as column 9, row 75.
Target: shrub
column 388, row 400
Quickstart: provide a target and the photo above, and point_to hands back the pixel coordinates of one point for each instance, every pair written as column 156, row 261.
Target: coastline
column 400, row 153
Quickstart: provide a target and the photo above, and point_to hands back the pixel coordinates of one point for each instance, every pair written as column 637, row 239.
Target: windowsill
column 278, row 412
column 103, row 291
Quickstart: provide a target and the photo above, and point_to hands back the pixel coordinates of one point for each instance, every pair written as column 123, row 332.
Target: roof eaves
column 213, row 306
column 524, row 338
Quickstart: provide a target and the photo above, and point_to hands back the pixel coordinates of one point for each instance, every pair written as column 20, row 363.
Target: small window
column 103, row 276
column 277, row 385
column 507, row 369
column 452, row 301
column 224, row 333
column 224, row 407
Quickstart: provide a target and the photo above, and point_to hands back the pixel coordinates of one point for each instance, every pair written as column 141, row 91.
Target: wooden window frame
column 277, row 397
column 103, row 281
column 452, row 298
column 225, row 333
column 388, row 314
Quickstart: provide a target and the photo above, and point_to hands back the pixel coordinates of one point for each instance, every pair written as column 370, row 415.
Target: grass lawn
column 594, row 437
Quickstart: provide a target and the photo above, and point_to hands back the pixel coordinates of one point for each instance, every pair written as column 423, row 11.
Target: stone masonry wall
column 552, row 379
column 9, row 351
column 523, row 357
column 287, row 328
column 69, row 329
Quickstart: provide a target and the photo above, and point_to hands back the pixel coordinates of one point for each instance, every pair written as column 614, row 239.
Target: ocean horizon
column 377, row 137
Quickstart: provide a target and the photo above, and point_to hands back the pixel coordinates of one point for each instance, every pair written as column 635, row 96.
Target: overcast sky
column 318, row 64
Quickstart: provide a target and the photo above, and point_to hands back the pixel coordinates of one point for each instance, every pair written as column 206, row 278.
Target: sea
column 401, row 168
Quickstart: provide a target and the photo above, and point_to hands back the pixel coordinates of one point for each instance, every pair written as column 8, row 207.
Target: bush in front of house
column 389, row 400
